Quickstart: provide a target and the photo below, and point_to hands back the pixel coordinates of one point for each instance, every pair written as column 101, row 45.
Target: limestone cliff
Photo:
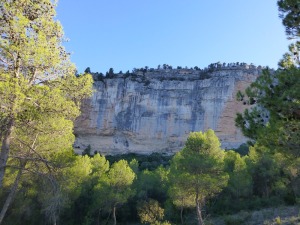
column 154, row 110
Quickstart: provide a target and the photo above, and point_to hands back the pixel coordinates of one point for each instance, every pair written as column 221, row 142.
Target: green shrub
column 278, row 220
column 233, row 220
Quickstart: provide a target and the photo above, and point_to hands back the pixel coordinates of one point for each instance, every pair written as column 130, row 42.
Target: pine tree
column 114, row 189
column 275, row 119
column 39, row 93
column 201, row 162
column 290, row 13
column 274, row 122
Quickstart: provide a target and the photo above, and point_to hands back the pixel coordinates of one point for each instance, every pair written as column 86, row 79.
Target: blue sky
column 136, row 33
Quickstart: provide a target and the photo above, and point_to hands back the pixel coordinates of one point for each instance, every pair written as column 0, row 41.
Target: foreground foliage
column 39, row 99
column 90, row 190
column 273, row 123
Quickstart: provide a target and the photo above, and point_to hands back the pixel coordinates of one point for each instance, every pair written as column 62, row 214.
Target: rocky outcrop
column 155, row 110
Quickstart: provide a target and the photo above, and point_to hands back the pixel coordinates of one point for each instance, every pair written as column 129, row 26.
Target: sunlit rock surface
column 155, row 111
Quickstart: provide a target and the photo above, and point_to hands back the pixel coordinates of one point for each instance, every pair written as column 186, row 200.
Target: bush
column 278, row 220
column 233, row 220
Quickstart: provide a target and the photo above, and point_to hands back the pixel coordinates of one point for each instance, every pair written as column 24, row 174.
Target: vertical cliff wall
column 155, row 111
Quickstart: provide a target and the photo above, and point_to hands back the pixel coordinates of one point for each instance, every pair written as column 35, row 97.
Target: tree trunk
column 181, row 214
column 11, row 195
column 98, row 217
column 199, row 213
column 266, row 189
column 114, row 215
column 5, row 150
column 108, row 217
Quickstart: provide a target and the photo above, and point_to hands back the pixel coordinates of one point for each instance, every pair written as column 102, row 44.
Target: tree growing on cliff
column 201, row 162
column 110, row 73
column 39, row 93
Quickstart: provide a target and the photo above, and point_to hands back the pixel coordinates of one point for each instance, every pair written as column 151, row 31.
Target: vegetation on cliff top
column 165, row 68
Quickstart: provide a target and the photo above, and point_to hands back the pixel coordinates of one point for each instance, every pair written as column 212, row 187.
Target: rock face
column 154, row 111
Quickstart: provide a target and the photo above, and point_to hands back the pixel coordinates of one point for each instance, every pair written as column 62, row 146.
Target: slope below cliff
column 155, row 111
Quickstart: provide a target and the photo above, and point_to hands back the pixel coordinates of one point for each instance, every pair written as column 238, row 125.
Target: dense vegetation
column 92, row 190
column 43, row 182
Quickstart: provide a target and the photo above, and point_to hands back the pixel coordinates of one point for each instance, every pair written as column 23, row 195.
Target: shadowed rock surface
column 154, row 110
